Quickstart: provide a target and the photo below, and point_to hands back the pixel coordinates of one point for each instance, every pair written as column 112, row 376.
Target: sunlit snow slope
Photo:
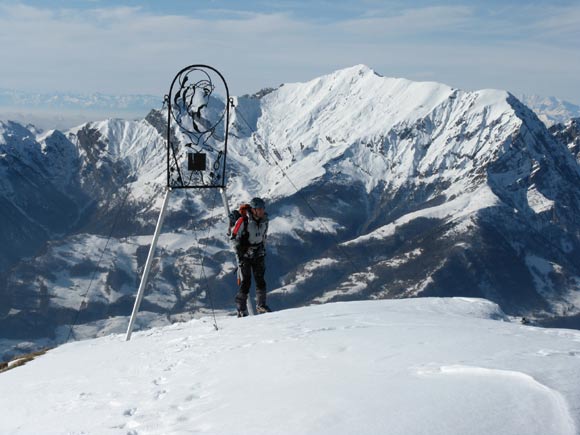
column 423, row 366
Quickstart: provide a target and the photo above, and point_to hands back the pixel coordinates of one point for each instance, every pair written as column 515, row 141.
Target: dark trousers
column 258, row 267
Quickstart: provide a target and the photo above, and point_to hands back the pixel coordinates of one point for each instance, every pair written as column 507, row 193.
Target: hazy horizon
column 136, row 47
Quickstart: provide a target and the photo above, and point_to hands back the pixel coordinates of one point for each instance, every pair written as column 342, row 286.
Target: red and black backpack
column 236, row 218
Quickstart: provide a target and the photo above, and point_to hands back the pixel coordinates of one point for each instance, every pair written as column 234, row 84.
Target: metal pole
column 143, row 284
column 225, row 200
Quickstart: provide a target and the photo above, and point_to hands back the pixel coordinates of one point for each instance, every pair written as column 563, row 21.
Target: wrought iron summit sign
column 197, row 128
column 198, row 106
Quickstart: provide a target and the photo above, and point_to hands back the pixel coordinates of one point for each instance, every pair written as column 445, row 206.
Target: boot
column 261, row 309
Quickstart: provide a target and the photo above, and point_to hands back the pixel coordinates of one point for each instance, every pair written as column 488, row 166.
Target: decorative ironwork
column 197, row 128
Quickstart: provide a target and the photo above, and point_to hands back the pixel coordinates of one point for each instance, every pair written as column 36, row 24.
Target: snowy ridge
column 136, row 142
column 376, row 129
column 458, row 209
column 398, row 367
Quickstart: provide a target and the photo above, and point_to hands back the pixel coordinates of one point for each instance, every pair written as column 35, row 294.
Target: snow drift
column 437, row 366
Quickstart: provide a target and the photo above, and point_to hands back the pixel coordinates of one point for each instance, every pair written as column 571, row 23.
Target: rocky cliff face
column 568, row 134
column 376, row 188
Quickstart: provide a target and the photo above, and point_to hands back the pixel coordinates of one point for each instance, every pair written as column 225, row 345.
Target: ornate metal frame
column 195, row 113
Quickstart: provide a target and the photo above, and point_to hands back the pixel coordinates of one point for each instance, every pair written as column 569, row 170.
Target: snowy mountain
column 418, row 366
column 551, row 110
column 376, row 188
column 569, row 134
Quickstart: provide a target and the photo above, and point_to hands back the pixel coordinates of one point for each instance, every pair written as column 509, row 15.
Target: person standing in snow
column 249, row 235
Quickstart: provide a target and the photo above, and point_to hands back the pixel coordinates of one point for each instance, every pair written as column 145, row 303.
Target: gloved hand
column 240, row 254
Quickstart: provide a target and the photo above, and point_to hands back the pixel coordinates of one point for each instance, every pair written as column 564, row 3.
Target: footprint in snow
column 160, row 381
column 159, row 394
column 130, row 412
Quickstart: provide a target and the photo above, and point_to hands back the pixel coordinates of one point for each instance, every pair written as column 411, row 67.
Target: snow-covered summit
column 375, row 129
column 436, row 366
column 137, row 143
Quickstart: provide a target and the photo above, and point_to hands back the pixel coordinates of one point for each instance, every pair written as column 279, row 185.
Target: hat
column 257, row 203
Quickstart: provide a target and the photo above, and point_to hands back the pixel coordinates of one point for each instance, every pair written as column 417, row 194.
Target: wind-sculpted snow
column 492, row 385
column 423, row 366
column 376, row 187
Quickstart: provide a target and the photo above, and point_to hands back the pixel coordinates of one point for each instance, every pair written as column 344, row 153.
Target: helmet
column 257, row 203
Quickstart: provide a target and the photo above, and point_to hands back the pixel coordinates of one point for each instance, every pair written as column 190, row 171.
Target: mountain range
column 376, row 187
column 65, row 110
column 551, row 110
column 77, row 101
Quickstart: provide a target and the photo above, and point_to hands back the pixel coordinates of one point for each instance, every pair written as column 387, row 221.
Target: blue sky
column 134, row 47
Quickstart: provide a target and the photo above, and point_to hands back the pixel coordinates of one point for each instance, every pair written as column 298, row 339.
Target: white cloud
column 561, row 22
column 411, row 21
column 128, row 50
